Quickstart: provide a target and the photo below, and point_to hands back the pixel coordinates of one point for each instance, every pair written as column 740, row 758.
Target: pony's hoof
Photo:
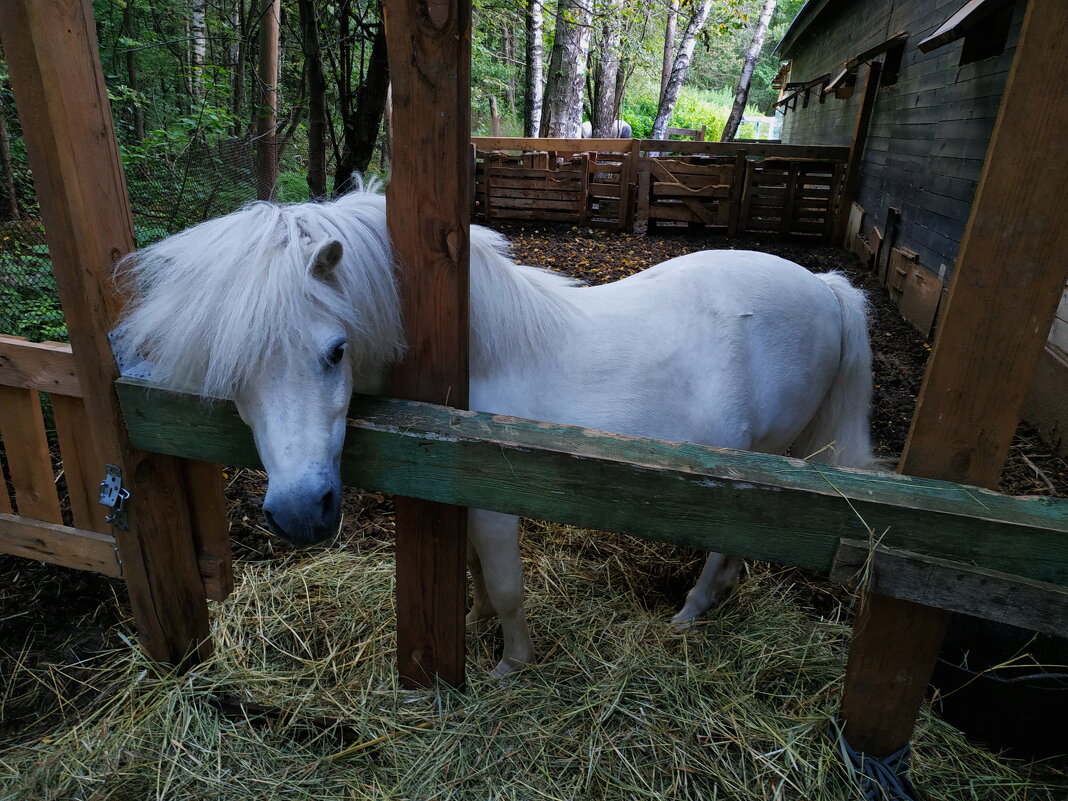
column 507, row 668
column 685, row 618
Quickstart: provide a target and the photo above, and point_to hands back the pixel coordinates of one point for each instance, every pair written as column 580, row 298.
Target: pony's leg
column 496, row 539
column 718, row 576
column 481, row 607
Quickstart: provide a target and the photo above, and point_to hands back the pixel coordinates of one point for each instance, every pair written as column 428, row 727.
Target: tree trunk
column 137, row 111
column 534, row 77
column 562, row 110
column 605, row 110
column 265, row 130
column 680, row 68
column 239, row 55
column 198, row 43
column 362, row 120
column 9, row 204
column 741, row 97
column 313, row 70
column 669, row 48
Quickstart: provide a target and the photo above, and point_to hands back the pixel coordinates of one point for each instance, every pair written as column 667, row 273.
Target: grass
column 301, row 701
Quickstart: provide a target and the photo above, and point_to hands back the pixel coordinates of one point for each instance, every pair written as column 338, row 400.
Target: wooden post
column 265, row 131
column 66, row 119
column 1008, row 279
column 429, row 43
column 856, row 149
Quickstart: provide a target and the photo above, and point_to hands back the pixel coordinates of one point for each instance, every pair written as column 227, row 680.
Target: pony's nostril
column 326, row 503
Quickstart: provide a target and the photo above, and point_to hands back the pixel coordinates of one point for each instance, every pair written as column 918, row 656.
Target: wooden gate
column 792, row 197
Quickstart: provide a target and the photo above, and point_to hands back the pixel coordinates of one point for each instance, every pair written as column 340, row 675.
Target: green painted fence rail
column 754, row 505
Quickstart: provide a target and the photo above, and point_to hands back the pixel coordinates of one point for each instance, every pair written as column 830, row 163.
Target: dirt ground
column 51, row 615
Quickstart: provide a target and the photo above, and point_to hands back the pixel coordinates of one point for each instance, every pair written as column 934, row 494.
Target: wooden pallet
column 791, row 197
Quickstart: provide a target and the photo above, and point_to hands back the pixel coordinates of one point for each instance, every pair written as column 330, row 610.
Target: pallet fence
column 735, row 188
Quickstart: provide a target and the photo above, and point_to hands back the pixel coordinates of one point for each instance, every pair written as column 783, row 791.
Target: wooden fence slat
column 44, row 366
column 58, row 545
column 28, row 458
column 83, row 468
column 211, row 531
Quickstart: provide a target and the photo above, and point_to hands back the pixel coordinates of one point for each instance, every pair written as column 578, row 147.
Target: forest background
column 189, row 83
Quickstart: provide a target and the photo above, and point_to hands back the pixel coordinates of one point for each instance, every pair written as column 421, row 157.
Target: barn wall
column 929, row 131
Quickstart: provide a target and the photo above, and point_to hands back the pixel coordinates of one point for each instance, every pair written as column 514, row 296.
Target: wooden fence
column 39, row 382
column 750, row 187
column 1006, row 554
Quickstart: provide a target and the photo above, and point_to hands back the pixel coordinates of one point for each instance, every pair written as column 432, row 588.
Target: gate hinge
column 114, row 496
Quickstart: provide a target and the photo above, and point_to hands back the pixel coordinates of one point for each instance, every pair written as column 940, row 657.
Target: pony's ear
column 324, row 262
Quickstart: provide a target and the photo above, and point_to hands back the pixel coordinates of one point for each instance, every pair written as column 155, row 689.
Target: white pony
column 289, row 309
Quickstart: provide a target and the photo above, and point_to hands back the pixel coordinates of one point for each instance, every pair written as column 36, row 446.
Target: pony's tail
column 840, row 433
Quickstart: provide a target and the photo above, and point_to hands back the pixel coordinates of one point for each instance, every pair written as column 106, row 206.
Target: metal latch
column 114, row 495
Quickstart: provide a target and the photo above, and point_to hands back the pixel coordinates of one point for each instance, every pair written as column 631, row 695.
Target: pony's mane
column 516, row 310
column 215, row 303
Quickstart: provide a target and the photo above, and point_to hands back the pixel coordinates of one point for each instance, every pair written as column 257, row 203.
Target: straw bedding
column 300, row 699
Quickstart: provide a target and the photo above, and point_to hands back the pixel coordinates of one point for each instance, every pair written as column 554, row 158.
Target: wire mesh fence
column 167, row 195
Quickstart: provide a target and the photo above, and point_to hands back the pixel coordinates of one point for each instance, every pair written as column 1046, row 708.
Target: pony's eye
column 337, row 353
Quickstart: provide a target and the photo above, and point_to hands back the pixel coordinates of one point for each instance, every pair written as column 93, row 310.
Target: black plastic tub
column 1005, row 687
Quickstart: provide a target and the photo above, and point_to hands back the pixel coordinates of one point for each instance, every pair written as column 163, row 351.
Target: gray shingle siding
column 929, row 131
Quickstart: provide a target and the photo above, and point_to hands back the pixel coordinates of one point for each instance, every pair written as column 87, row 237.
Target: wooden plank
column 67, row 126
column 499, row 202
column 44, row 366
column 552, row 176
column 629, row 180
column 644, row 182
column 82, row 467
column 1009, row 276
column 59, row 545
column 739, row 181
column 664, row 189
column 788, row 200
column 211, row 531
column 753, row 149
column 534, row 214
column 429, row 47
column 920, row 297
column 28, row 459
column 543, row 194
column 521, row 143
column 744, row 503
column 953, row 586
column 856, row 148
column 700, row 211
column 964, row 19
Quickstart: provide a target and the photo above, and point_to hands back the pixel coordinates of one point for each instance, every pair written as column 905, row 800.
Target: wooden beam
column 429, row 45
column 44, row 366
column 733, row 501
column 856, row 150
column 28, row 459
column 1008, row 279
column 967, row 17
column 822, row 152
column 59, row 545
column 954, row 586
column 66, row 119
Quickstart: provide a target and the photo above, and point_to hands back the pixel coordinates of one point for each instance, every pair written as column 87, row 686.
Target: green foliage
column 29, row 300
column 695, row 108
column 292, row 187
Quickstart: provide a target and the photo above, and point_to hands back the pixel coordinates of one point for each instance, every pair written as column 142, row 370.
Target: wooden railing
column 735, row 187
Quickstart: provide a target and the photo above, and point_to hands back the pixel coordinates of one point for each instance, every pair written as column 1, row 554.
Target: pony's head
column 282, row 309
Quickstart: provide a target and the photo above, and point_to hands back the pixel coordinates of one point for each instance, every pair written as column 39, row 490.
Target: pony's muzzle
column 304, row 517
